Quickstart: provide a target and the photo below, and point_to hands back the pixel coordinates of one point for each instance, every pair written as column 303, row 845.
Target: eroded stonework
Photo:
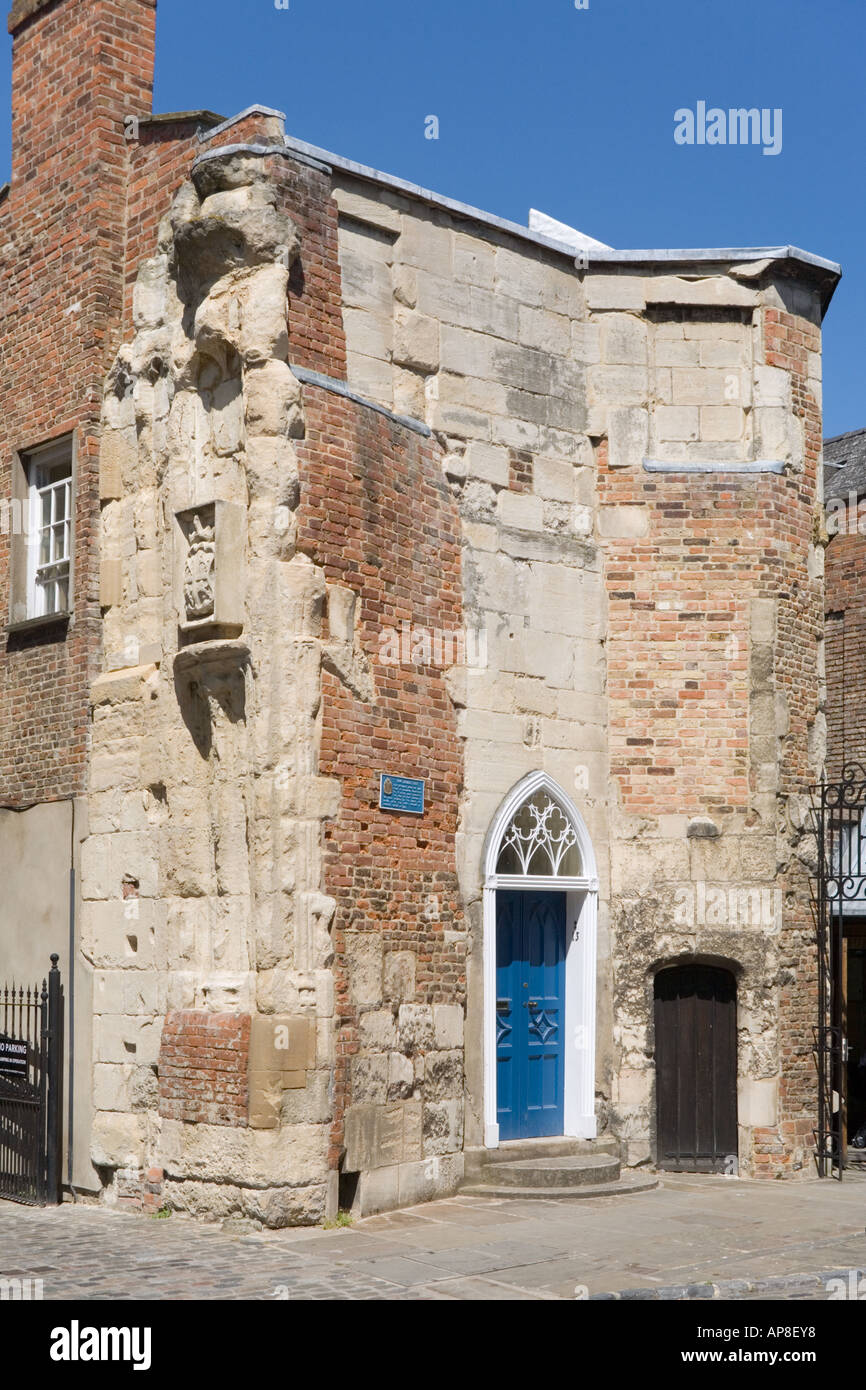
column 205, row 734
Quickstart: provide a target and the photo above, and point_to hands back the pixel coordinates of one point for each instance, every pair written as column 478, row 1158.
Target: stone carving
column 210, row 569
column 198, row 585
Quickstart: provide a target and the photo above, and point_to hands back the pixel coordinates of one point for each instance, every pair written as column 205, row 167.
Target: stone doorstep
column 581, row 1170
column 477, row 1160
column 631, row 1184
column 552, row 1169
column 733, row 1288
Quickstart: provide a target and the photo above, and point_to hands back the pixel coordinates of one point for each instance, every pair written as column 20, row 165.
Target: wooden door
column 530, row 1013
column 696, row 1069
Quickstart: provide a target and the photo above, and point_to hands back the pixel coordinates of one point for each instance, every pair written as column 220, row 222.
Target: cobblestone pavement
column 691, row 1231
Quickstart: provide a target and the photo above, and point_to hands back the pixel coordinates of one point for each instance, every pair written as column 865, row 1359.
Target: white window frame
column 49, row 476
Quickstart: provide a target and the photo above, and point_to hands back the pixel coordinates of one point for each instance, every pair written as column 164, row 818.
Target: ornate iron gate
column 31, row 1085
column 840, row 898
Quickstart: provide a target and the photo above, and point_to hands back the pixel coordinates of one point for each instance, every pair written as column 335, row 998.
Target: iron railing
column 839, row 895
column 31, row 1090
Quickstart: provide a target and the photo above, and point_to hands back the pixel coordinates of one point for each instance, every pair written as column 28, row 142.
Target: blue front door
column 530, row 1013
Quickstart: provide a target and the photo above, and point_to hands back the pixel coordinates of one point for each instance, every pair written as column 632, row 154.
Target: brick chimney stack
column 78, row 68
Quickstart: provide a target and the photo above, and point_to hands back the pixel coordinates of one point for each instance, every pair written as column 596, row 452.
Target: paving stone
column 754, row 1241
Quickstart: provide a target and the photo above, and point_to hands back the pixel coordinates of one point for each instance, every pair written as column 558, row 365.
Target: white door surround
column 531, row 842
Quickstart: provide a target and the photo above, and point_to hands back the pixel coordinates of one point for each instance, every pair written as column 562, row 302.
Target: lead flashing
column 714, row 466
column 606, row 257
column 342, row 388
column 177, row 117
column 245, row 148
column 241, row 115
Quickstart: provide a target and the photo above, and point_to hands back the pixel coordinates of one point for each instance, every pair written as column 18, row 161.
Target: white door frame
column 580, row 960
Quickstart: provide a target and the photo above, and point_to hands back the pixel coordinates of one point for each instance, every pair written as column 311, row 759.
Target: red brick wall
column 79, row 67
column 203, row 1068
column 678, row 653
column 788, row 341
column 678, row 673
column 845, row 637
column 678, row 659
column 376, row 514
column 316, row 337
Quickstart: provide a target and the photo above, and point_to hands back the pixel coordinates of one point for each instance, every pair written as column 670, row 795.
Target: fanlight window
column 540, row 840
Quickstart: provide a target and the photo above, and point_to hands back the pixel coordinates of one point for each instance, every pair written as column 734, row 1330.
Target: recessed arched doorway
column 540, row 924
column 696, row 1069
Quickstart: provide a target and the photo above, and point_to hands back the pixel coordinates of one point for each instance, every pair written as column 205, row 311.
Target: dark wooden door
column 696, row 1069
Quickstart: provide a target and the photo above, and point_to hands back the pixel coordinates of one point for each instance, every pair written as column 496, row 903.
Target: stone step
column 623, row 1187
column 571, row 1171
column 514, row 1150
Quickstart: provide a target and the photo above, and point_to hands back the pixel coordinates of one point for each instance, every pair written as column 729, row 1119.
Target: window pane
column 49, row 474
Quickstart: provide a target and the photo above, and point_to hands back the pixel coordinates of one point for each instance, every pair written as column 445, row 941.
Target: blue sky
column 570, row 111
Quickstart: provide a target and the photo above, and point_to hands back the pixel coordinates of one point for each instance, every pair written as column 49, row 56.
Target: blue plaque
column 401, row 794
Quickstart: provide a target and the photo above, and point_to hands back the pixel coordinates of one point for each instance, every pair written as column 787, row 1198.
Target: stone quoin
column 284, row 408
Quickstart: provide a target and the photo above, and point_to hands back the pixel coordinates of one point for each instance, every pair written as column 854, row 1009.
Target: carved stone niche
column 209, row 570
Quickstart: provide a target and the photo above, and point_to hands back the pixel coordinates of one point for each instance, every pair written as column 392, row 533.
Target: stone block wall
column 202, row 872
column 654, row 637
column 283, row 591
column 257, row 538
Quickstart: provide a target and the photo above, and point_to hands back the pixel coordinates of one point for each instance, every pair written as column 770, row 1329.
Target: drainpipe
column 71, row 999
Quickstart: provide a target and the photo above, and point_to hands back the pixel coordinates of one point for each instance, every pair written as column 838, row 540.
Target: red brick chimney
column 78, row 67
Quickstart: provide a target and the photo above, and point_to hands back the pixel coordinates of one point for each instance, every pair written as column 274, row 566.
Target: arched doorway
column 540, row 916
column 696, row 1069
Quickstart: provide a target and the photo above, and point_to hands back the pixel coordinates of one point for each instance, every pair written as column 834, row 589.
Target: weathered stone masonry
column 310, row 407
column 655, row 630
column 243, row 743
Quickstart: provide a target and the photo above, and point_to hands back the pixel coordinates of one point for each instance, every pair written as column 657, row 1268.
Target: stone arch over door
column 538, row 842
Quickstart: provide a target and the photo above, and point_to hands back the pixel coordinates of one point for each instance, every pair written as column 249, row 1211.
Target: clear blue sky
column 570, row 111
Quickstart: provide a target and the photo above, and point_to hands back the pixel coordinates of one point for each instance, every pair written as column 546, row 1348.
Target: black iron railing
column 839, row 897
column 31, row 1090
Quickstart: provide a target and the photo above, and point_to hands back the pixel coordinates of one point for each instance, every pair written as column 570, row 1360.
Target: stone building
column 417, row 601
